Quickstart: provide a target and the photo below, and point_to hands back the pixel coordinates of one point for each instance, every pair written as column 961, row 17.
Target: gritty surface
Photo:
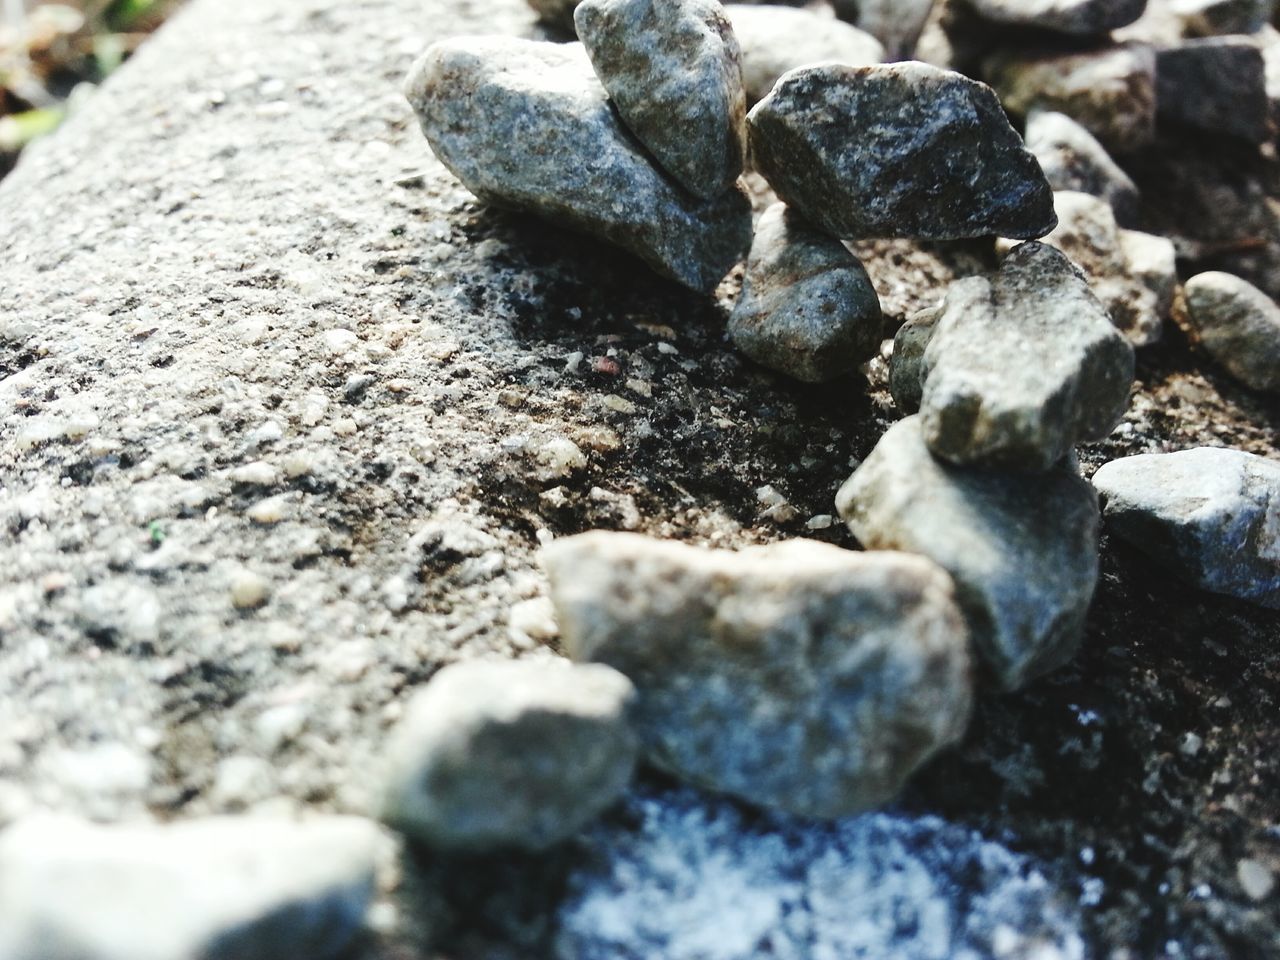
column 286, row 411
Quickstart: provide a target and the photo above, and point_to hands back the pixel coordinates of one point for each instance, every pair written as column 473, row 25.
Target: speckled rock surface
column 797, row 676
column 673, row 70
column 1134, row 274
column 1238, row 325
column 499, row 754
column 575, row 165
column 252, row 888
column 1073, row 159
column 1022, row 366
column 807, row 306
column 776, row 39
column 1217, row 84
column 264, row 287
column 1111, row 92
column 902, row 150
column 1074, row 17
column 1022, row 548
column 1212, row 516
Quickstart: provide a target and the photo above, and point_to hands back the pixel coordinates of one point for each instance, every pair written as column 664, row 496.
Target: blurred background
column 53, row 54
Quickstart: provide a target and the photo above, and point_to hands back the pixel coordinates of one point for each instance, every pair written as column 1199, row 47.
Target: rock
column 1206, row 18
column 1212, row 516
column 906, row 368
column 556, row 15
column 249, row 888
column 1110, row 92
column 477, row 96
column 1255, row 879
column 895, row 23
column 902, row 150
column 1022, row 366
column 1218, row 84
column 1133, row 274
column 673, row 71
column 797, row 676
column 1075, row 17
column 807, row 306
column 1073, row 159
column 775, row 40
column 496, row 754
column 1022, row 549
column 1238, row 325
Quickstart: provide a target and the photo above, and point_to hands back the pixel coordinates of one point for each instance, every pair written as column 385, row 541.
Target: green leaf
column 125, row 14
column 19, row 129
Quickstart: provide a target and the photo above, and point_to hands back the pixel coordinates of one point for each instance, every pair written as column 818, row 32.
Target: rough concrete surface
column 285, row 414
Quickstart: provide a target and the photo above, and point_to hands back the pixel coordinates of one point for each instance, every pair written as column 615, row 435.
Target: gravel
column 1073, row 159
column 1238, row 325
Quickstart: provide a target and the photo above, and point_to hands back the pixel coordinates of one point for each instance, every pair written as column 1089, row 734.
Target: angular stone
column 906, row 368
column 248, row 888
column 527, row 125
column 1207, row 18
column 672, row 69
column 1238, row 325
column 807, row 306
column 1212, row 516
column 895, row 23
column 1073, row 159
column 775, row 40
column 1110, row 92
column 902, row 150
column 1022, row 366
column 497, row 754
column 1218, row 84
column 1022, row 549
column 1074, row 17
column 797, row 676
column 1134, row 274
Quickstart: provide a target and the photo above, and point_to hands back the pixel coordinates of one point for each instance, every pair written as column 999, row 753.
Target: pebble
column 1023, row 549
column 257, row 474
column 1216, row 84
column 1256, row 880
column 807, row 308
column 1238, row 325
column 1082, row 18
column 777, row 39
column 1207, row 18
column 906, row 365
column 509, row 753
column 575, row 165
column 796, row 676
column 1133, row 274
column 901, row 150
column 247, row 888
column 895, row 23
column 1073, row 159
column 1111, row 92
column 556, row 14
column 673, row 70
column 1212, row 516
column 1022, row 366
column 249, row 590
column 268, row 511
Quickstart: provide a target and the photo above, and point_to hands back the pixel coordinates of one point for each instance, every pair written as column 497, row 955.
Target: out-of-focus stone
column 1075, row 17
column 1238, row 325
column 1216, row 84
column 1073, row 159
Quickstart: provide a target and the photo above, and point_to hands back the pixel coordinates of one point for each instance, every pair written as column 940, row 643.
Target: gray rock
column 776, row 40
column 1074, row 17
column 895, row 23
column 906, row 368
column 1217, row 84
column 1206, row 18
column 1238, row 325
column 528, row 126
column 807, row 307
column 898, row 150
column 1212, row 516
column 1134, row 274
column 672, row 68
column 245, row 888
column 1022, row 549
column 1110, row 92
column 556, row 15
column 797, row 676
column 1073, row 159
column 1022, row 366
column 495, row 754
